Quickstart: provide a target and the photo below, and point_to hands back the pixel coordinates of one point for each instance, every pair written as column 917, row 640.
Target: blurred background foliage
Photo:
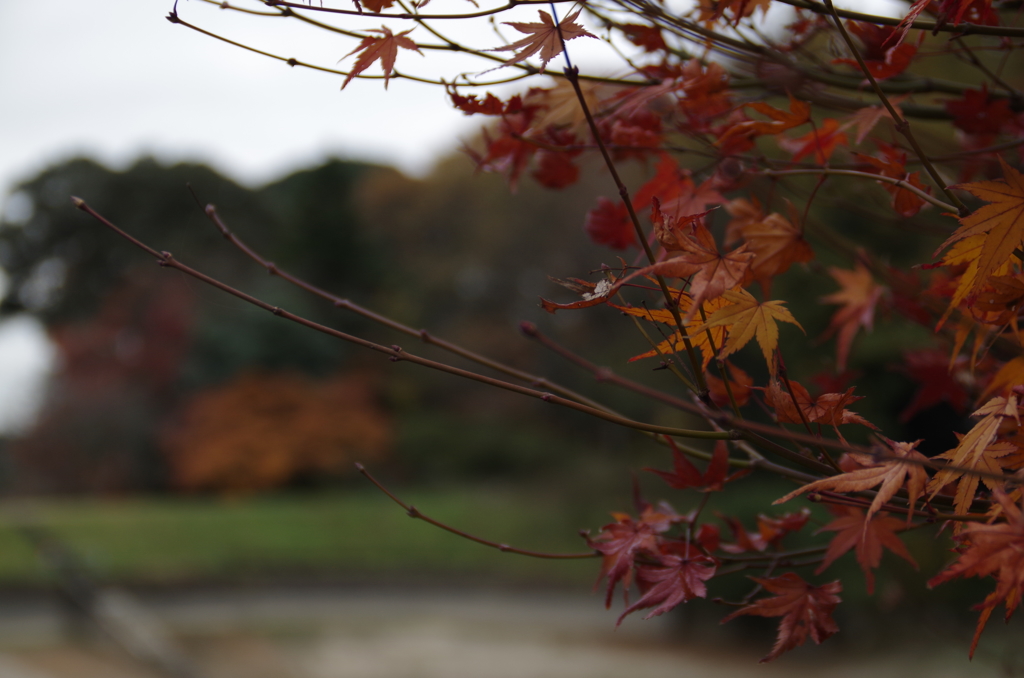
column 166, row 388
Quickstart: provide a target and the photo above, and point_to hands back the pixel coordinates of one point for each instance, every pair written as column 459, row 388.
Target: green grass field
column 341, row 533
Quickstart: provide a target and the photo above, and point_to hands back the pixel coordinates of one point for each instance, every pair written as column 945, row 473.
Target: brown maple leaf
column 713, row 272
column 806, row 610
column 867, row 535
column 545, row 37
column 777, row 244
column 749, row 319
column 888, row 475
column 989, row 235
column 859, row 296
column 997, row 550
column 740, row 384
column 384, row 48
column 828, row 408
column 976, row 451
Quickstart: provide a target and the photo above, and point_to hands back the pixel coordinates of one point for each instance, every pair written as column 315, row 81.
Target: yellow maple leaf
column 749, row 319
column 990, row 234
column 674, row 344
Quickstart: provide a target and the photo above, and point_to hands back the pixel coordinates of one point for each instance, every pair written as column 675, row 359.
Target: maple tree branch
column 572, row 74
column 774, row 555
column 406, row 15
column 902, row 124
column 396, row 353
column 962, row 28
column 223, row 4
column 784, row 374
column 827, row 497
column 927, row 197
column 526, row 70
column 605, row 374
column 414, row 512
column 1014, row 93
column 423, row 335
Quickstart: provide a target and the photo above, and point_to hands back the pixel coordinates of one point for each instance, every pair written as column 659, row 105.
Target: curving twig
column 414, row 512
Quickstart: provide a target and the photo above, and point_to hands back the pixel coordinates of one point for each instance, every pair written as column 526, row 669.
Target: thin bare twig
column 414, row 512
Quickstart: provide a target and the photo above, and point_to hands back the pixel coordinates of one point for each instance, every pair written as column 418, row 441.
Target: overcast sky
column 114, row 80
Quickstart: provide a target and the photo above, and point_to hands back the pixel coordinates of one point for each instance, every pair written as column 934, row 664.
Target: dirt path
column 354, row 633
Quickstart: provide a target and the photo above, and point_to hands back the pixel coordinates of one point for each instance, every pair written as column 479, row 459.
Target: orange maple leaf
column 384, row 48
column 889, row 475
column 806, row 610
column 993, row 231
column 545, row 37
column 867, row 535
column 974, row 452
column 749, row 319
column 996, row 550
column 859, row 295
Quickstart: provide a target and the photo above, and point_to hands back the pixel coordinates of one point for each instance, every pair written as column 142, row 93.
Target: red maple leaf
column 685, row 475
column 544, row 37
column 470, row 105
column 882, row 62
column 820, row 142
column 384, row 48
column 770, row 531
column 648, row 37
column 676, row 580
column 936, row 382
column 620, row 543
column 555, row 170
column 867, row 536
column 891, row 162
column 996, row 550
column 979, row 113
column 609, row 224
column 376, row 6
column 806, row 610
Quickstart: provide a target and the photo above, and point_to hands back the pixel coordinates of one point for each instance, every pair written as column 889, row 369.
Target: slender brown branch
column 423, row 335
column 414, row 512
column 864, row 175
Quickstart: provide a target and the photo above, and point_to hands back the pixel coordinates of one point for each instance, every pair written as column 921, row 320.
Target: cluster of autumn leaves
column 708, row 288
column 709, row 309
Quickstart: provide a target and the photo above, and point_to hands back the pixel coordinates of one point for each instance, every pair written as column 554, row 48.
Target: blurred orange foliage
column 264, row 429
